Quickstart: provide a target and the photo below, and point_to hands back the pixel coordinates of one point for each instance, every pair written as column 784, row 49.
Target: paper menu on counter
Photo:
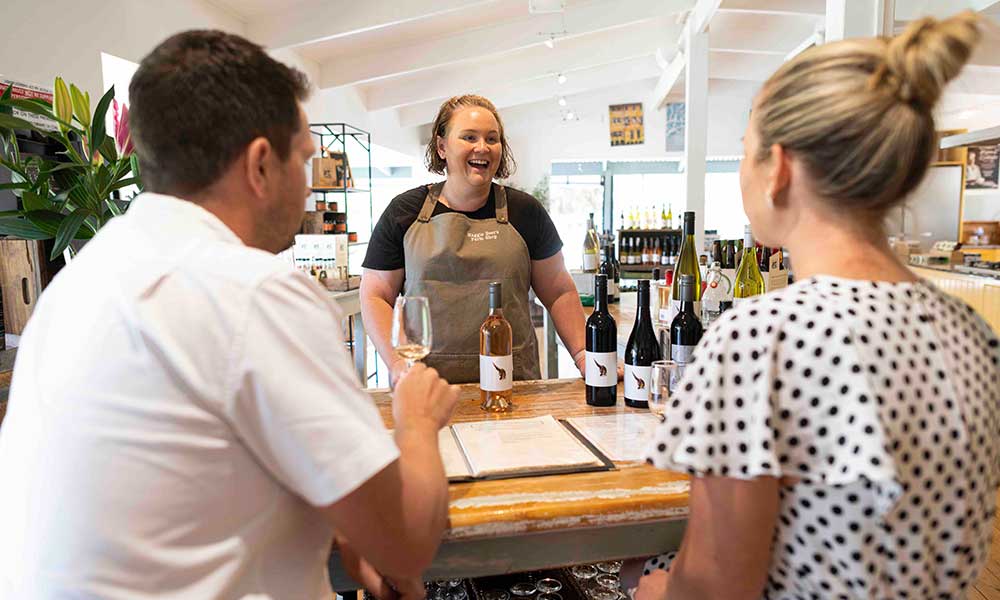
column 455, row 466
column 517, row 446
column 621, row 437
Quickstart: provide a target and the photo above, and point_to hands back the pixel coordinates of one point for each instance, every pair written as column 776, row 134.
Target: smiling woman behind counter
column 448, row 240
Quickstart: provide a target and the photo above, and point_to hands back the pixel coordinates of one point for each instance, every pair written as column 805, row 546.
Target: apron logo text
column 483, row 236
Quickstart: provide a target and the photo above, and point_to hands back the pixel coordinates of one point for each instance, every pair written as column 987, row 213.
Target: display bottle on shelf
column 496, row 359
column 621, row 220
column 749, row 282
column 686, row 329
column 618, row 274
column 590, row 247
column 607, row 269
column 655, row 256
column 640, row 352
column 729, row 265
column 687, row 264
column 668, row 217
column 665, row 257
column 601, row 371
column 645, row 251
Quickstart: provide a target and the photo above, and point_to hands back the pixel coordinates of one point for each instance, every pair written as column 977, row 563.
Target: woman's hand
column 580, row 358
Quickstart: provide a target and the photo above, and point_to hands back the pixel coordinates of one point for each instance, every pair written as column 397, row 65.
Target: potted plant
column 73, row 197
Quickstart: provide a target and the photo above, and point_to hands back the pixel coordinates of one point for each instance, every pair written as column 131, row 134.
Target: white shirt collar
column 171, row 212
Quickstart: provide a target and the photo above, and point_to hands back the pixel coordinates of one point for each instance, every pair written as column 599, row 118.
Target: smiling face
column 472, row 146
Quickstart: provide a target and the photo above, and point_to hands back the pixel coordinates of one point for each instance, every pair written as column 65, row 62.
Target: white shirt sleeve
column 294, row 398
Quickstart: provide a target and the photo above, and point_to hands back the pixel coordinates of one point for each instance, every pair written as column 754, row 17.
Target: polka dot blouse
column 882, row 401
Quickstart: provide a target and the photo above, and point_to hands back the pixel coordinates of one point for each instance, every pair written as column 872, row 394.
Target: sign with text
column 626, row 124
column 27, row 91
column 981, row 168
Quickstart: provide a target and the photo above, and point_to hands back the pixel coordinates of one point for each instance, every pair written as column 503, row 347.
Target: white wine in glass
column 411, row 328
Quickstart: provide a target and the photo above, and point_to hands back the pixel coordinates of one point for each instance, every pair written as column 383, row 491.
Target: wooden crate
column 24, row 273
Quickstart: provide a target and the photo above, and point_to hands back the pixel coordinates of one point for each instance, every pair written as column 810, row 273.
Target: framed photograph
column 626, row 124
column 981, row 168
column 676, row 116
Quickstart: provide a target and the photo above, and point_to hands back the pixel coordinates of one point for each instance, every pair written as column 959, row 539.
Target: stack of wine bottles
column 654, row 248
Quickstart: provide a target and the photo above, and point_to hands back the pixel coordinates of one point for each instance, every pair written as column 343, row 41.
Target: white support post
column 855, row 18
column 696, row 128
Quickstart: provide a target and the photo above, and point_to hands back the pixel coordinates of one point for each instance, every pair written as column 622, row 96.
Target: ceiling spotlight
column 570, row 115
column 551, row 42
column 561, row 79
column 562, row 101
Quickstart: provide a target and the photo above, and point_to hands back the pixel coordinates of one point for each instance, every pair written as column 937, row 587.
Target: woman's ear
column 780, row 174
column 439, row 143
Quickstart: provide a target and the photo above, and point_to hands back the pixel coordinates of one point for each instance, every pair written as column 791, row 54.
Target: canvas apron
column 451, row 259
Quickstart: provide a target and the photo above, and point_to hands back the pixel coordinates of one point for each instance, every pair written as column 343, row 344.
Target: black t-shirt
column 526, row 214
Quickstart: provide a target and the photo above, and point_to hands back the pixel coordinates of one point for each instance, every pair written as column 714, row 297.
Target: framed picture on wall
column 675, row 127
column 626, row 124
column 981, row 167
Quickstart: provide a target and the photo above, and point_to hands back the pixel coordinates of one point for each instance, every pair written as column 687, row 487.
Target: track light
column 551, row 42
column 561, row 79
column 562, row 101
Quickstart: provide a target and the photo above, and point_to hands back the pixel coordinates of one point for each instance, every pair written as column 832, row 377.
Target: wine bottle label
column 681, row 354
column 496, row 373
column 729, row 274
column 602, row 369
column 667, row 313
column 637, row 382
column 589, row 262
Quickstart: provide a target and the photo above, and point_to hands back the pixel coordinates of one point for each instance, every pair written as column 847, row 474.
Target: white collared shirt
column 180, row 406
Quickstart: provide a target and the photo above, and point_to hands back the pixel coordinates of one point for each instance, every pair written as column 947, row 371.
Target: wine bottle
column 590, row 246
column 729, row 266
column 749, row 282
column 607, row 269
column 496, row 359
column 687, row 264
column 618, row 274
column 641, row 351
column 601, row 373
column 764, row 263
column 654, row 293
column 668, row 218
column 685, row 329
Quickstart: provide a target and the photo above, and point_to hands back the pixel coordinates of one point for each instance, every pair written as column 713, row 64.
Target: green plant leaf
column 98, row 126
column 107, row 149
column 124, row 183
column 33, row 201
column 67, row 231
column 12, row 122
column 18, row 227
column 20, row 185
column 62, row 102
column 47, row 221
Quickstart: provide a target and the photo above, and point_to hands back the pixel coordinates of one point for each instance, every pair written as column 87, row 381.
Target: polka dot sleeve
column 777, row 390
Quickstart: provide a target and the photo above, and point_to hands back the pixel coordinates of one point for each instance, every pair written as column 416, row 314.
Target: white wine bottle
column 591, row 247
column 749, row 282
column 687, row 264
column 496, row 359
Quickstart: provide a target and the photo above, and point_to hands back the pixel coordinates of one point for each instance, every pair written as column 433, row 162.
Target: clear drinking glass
column 411, row 328
column 663, row 380
column 584, row 571
column 549, row 585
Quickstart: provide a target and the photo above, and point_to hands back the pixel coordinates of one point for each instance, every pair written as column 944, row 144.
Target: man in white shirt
column 183, row 420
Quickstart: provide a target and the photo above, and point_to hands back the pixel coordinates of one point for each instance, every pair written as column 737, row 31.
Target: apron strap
column 501, row 201
column 427, row 211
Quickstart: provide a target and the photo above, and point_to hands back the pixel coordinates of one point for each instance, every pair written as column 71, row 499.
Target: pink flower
column 123, row 138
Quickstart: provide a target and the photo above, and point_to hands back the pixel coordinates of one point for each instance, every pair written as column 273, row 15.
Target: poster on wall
column 675, row 127
column 981, row 168
column 626, row 124
column 28, row 91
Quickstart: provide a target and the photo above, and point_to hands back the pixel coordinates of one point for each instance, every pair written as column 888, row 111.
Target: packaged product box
column 331, row 171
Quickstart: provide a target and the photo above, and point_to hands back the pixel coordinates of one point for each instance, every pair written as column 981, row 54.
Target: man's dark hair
column 199, row 98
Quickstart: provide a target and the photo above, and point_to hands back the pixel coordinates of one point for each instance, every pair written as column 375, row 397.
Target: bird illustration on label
column 639, row 383
column 603, row 369
column 501, row 373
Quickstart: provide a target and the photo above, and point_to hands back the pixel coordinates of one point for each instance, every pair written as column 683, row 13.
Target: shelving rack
column 342, row 137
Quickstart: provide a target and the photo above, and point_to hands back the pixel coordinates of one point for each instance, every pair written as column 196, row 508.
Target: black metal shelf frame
column 338, row 137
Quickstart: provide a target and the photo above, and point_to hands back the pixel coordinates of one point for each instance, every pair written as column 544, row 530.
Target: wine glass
column 664, row 377
column 411, row 328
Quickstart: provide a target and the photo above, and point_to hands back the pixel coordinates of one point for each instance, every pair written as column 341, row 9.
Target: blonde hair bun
column 927, row 55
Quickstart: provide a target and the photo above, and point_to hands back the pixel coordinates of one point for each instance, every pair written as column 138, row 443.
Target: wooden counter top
column 633, row 493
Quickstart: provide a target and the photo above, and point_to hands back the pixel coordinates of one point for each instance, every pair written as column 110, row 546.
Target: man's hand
column 361, row 571
column 422, row 398
column 653, row 586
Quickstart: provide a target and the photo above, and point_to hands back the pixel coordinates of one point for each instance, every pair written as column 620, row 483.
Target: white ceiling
column 408, row 55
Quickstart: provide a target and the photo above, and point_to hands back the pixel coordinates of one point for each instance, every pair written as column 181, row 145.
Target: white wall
column 42, row 40
column 538, row 136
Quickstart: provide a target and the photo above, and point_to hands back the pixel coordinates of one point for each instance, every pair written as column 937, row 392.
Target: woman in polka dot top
column 843, row 434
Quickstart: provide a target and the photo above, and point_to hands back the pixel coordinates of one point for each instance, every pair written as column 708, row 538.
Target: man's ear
column 259, row 165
